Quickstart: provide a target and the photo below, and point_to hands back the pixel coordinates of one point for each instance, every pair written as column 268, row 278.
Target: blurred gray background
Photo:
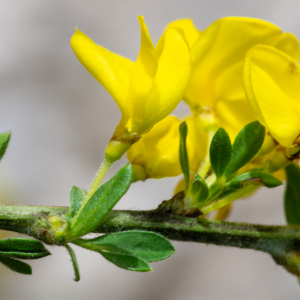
column 61, row 120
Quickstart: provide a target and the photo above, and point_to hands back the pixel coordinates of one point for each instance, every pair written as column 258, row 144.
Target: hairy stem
column 282, row 242
column 100, row 175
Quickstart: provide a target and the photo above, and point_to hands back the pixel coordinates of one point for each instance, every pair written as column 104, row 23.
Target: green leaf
column 76, row 198
column 4, row 140
column 101, row 203
column 253, row 178
column 148, row 246
column 292, row 195
column 127, row 262
column 23, row 248
column 16, row 265
column 220, row 152
column 245, row 146
column 183, row 155
column 199, row 190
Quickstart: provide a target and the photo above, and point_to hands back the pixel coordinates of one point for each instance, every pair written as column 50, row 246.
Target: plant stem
column 282, row 242
column 114, row 151
column 100, row 175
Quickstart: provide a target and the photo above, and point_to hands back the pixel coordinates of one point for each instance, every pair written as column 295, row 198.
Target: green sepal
column 183, row 154
column 148, row 246
column 253, row 178
column 16, row 265
column 127, row 262
column 76, row 198
column 292, row 195
column 220, row 152
column 4, row 140
column 22, row 248
column 199, row 191
column 247, row 143
column 101, row 203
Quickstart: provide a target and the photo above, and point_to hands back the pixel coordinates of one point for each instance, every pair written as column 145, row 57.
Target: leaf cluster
column 130, row 250
column 226, row 160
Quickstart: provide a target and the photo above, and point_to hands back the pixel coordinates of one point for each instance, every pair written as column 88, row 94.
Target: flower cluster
column 236, row 71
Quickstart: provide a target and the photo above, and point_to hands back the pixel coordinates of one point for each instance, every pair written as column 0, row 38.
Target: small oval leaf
column 292, row 195
column 247, row 143
column 220, row 152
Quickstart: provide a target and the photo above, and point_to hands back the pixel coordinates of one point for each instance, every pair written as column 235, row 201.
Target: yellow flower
column 156, row 154
column 216, row 83
column 149, row 89
column 272, row 87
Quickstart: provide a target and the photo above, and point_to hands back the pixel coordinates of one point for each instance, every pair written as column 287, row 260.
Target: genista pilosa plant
column 243, row 132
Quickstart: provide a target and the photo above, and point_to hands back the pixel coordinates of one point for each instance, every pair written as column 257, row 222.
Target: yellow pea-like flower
column 156, row 154
column 145, row 91
column 218, row 52
column 272, row 87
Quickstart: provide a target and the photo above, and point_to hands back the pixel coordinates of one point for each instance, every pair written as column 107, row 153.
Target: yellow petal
column 159, row 131
column 197, row 142
column 173, row 73
column 218, row 55
column 289, row 44
column 158, row 150
column 142, row 78
column 164, row 161
column 110, row 69
column 272, row 87
column 148, row 142
column 280, row 174
column 190, row 31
